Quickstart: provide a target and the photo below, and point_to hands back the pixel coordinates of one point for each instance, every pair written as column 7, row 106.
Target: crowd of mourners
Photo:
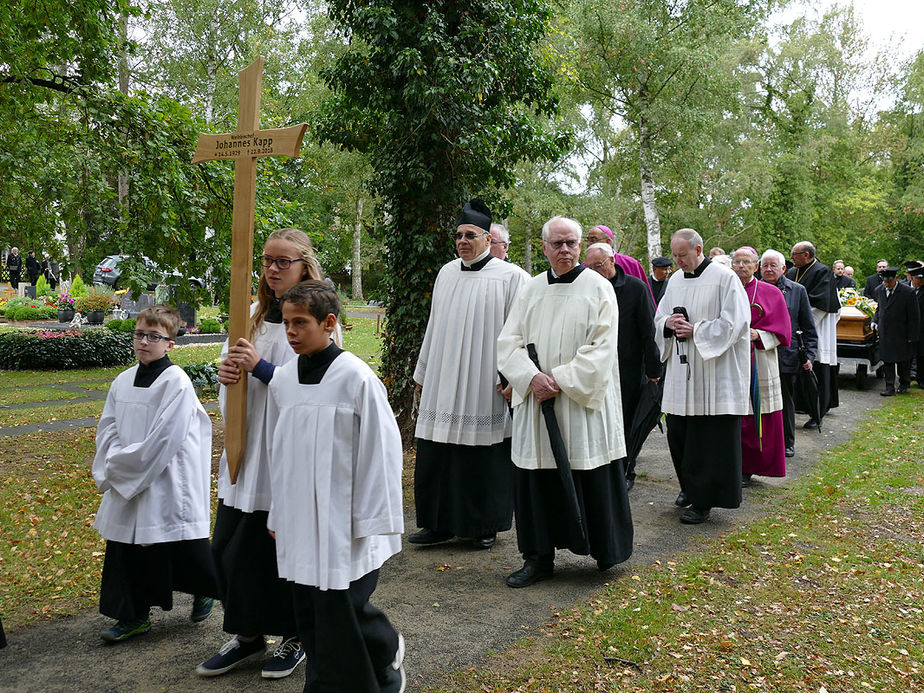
column 535, row 396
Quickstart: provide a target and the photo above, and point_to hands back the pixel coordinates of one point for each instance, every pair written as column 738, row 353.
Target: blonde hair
column 265, row 294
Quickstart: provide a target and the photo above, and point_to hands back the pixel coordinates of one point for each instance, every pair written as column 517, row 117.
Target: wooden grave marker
column 244, row 147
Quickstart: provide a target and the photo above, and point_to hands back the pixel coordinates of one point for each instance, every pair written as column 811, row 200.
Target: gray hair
column 690, row 236
column 605, row 247
column 501, row 231
column 771, row 254
column 573, row 224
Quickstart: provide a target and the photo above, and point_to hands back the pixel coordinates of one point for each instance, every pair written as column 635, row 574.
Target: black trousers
column 350, row 644
column 788, row 383
column 904, row 373
column 706, row 452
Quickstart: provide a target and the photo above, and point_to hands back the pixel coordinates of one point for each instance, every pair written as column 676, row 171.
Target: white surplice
column 336, row 461
column 252, row 490
column 768, row 374
column 716, row 378
column 153, row 461
column 575, row 329
column 826, row 326
column 457, row 365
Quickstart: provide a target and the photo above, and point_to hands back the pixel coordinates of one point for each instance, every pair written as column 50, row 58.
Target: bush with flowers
column 64, row 301
column 850, row 297
column 54, row 349
column 20, row 308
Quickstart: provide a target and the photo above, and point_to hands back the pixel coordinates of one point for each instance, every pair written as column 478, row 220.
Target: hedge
column 20, row 308
column 50, row 350
column 204, row 376
column 117, row 325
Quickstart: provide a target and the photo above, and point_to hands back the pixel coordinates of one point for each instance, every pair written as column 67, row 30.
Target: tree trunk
column 356, row 265
column 528, row 248
column 649, row 203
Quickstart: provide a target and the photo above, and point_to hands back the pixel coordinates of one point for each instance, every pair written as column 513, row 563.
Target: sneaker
column 201, row 608
column 395, row 677
column 126, row 629
column 231, row 654
column 287, row 656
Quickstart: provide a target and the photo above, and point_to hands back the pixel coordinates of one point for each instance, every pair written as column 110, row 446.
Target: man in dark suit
column 874, row 281
column 638, row 354
column 917, row 283
column 772, row 270
column 897, row 319
column 660, row 272
column 841, row 280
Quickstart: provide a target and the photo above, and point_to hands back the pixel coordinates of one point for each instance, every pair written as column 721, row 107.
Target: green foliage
column 444, row 98
column 97, row 299
column 204, row 376
column 41, row 286
column 41, row 350
column 209, row 326
column 78, row 288
column 117, row 325
column 20, row 309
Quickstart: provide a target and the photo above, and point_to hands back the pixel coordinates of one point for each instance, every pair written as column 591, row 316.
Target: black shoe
column 603, row 566
column 810, row 424
column 429, row 536
column 484, row 542
column 790, row 452
column 746, row 480
column 902, row 389
column 695, row 516
column 682, row 500
column 531, row 572
column 629, row 484
column 888, row 392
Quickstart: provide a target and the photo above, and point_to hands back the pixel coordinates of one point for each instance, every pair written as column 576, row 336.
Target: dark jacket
column 898, row 320
column 873, row 282
column 800, row 318
column 32, row 266
column 844, row 282
column 657, row 288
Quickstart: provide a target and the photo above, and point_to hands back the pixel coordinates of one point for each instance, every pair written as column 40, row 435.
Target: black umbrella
column 647, row 416
column 559, row 452
column 807, row 384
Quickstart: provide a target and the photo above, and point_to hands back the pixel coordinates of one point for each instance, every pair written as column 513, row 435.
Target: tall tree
column 445, row 97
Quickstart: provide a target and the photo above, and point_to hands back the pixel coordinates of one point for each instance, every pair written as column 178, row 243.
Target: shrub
column 41, row 286
column 204, row 376
column 78, row 288
column 98, row 299
column 209, row 326
column 23, row 309
column 48, row 350
column 116, row 325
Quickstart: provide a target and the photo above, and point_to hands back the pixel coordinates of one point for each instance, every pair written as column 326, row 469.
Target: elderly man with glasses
column 818, row 281
column 463, row 479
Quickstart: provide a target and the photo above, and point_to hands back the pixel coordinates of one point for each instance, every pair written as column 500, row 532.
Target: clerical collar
column 311, row 369
column 147, row 374
column 478, row 262
column 699, row 270
column 273, row 311
column 567, row 277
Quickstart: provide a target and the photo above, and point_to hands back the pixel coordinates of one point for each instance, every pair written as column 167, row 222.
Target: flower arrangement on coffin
column 850, row 297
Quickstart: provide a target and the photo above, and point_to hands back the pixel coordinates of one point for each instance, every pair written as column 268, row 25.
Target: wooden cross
column 244, row 146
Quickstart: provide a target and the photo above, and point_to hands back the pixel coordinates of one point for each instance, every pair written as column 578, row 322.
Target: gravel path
column 449, row 601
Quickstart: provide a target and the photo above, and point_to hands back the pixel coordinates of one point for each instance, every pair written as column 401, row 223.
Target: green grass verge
column 195, row 353
column 59, row 412
column 21, row 378
column 825, row 593
column 35, row 394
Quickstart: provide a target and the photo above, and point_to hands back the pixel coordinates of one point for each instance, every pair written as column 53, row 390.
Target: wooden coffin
column 854, row 325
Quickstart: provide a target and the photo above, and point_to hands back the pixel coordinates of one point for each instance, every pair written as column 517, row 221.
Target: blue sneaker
column 201, row 608
column 123, row 630
column 287, row 656
column 232, row 653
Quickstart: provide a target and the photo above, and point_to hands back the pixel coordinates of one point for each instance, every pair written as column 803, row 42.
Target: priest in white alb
column 571, row 316
column 702, row 327
column 463, row 479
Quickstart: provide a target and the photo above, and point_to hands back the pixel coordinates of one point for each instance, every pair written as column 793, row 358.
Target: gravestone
column 135, row 307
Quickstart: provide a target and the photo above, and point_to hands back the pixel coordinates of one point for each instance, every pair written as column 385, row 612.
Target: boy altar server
column 153, row 460
column 336, row 513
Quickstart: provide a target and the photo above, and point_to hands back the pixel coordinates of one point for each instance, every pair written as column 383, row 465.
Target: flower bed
column 24, row 309
column 52, row 349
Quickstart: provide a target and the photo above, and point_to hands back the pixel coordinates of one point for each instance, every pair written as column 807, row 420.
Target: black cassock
column 638, row 354
column 897, row 319
column 818, row 281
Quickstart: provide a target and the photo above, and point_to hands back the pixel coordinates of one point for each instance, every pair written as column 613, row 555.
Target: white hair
column 501, row 231
column 771, row 254
column 567, row 221
column 605, row 247
column 723, row 260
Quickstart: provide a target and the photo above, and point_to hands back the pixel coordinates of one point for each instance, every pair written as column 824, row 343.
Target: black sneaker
column 231, row 654
column 286, row 657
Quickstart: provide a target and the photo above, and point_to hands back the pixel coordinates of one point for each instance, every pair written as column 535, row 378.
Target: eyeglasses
column 742, row 263
column 282, row 263
column 800, row 252
column 471, row 235
column 493, row 242
column 152, row 337
column 571, row 243
column 596, row 265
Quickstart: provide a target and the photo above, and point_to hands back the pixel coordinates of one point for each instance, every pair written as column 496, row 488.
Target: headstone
column 135, row 307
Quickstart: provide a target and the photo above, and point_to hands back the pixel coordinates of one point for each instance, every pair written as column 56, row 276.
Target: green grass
column 60, row 412
column 35, row 394
column 824, row 593
column 195, row 353
column 20, row 378
column 362, row 340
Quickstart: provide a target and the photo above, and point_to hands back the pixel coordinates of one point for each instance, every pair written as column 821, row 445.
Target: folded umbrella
column 807, row 384
column 560, row 453
column 647, row 416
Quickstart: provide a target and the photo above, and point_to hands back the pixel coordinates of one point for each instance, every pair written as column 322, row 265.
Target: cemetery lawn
column 825, row 593
column 57, row 412
column 35, row 394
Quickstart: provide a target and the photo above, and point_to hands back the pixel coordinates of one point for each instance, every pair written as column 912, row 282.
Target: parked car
column 107, row 272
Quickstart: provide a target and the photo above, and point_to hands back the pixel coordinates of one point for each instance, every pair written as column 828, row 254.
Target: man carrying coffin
column 571, row 316
column 463, row 479
column 897, row 321
column 818, row 281
column 702, row 329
